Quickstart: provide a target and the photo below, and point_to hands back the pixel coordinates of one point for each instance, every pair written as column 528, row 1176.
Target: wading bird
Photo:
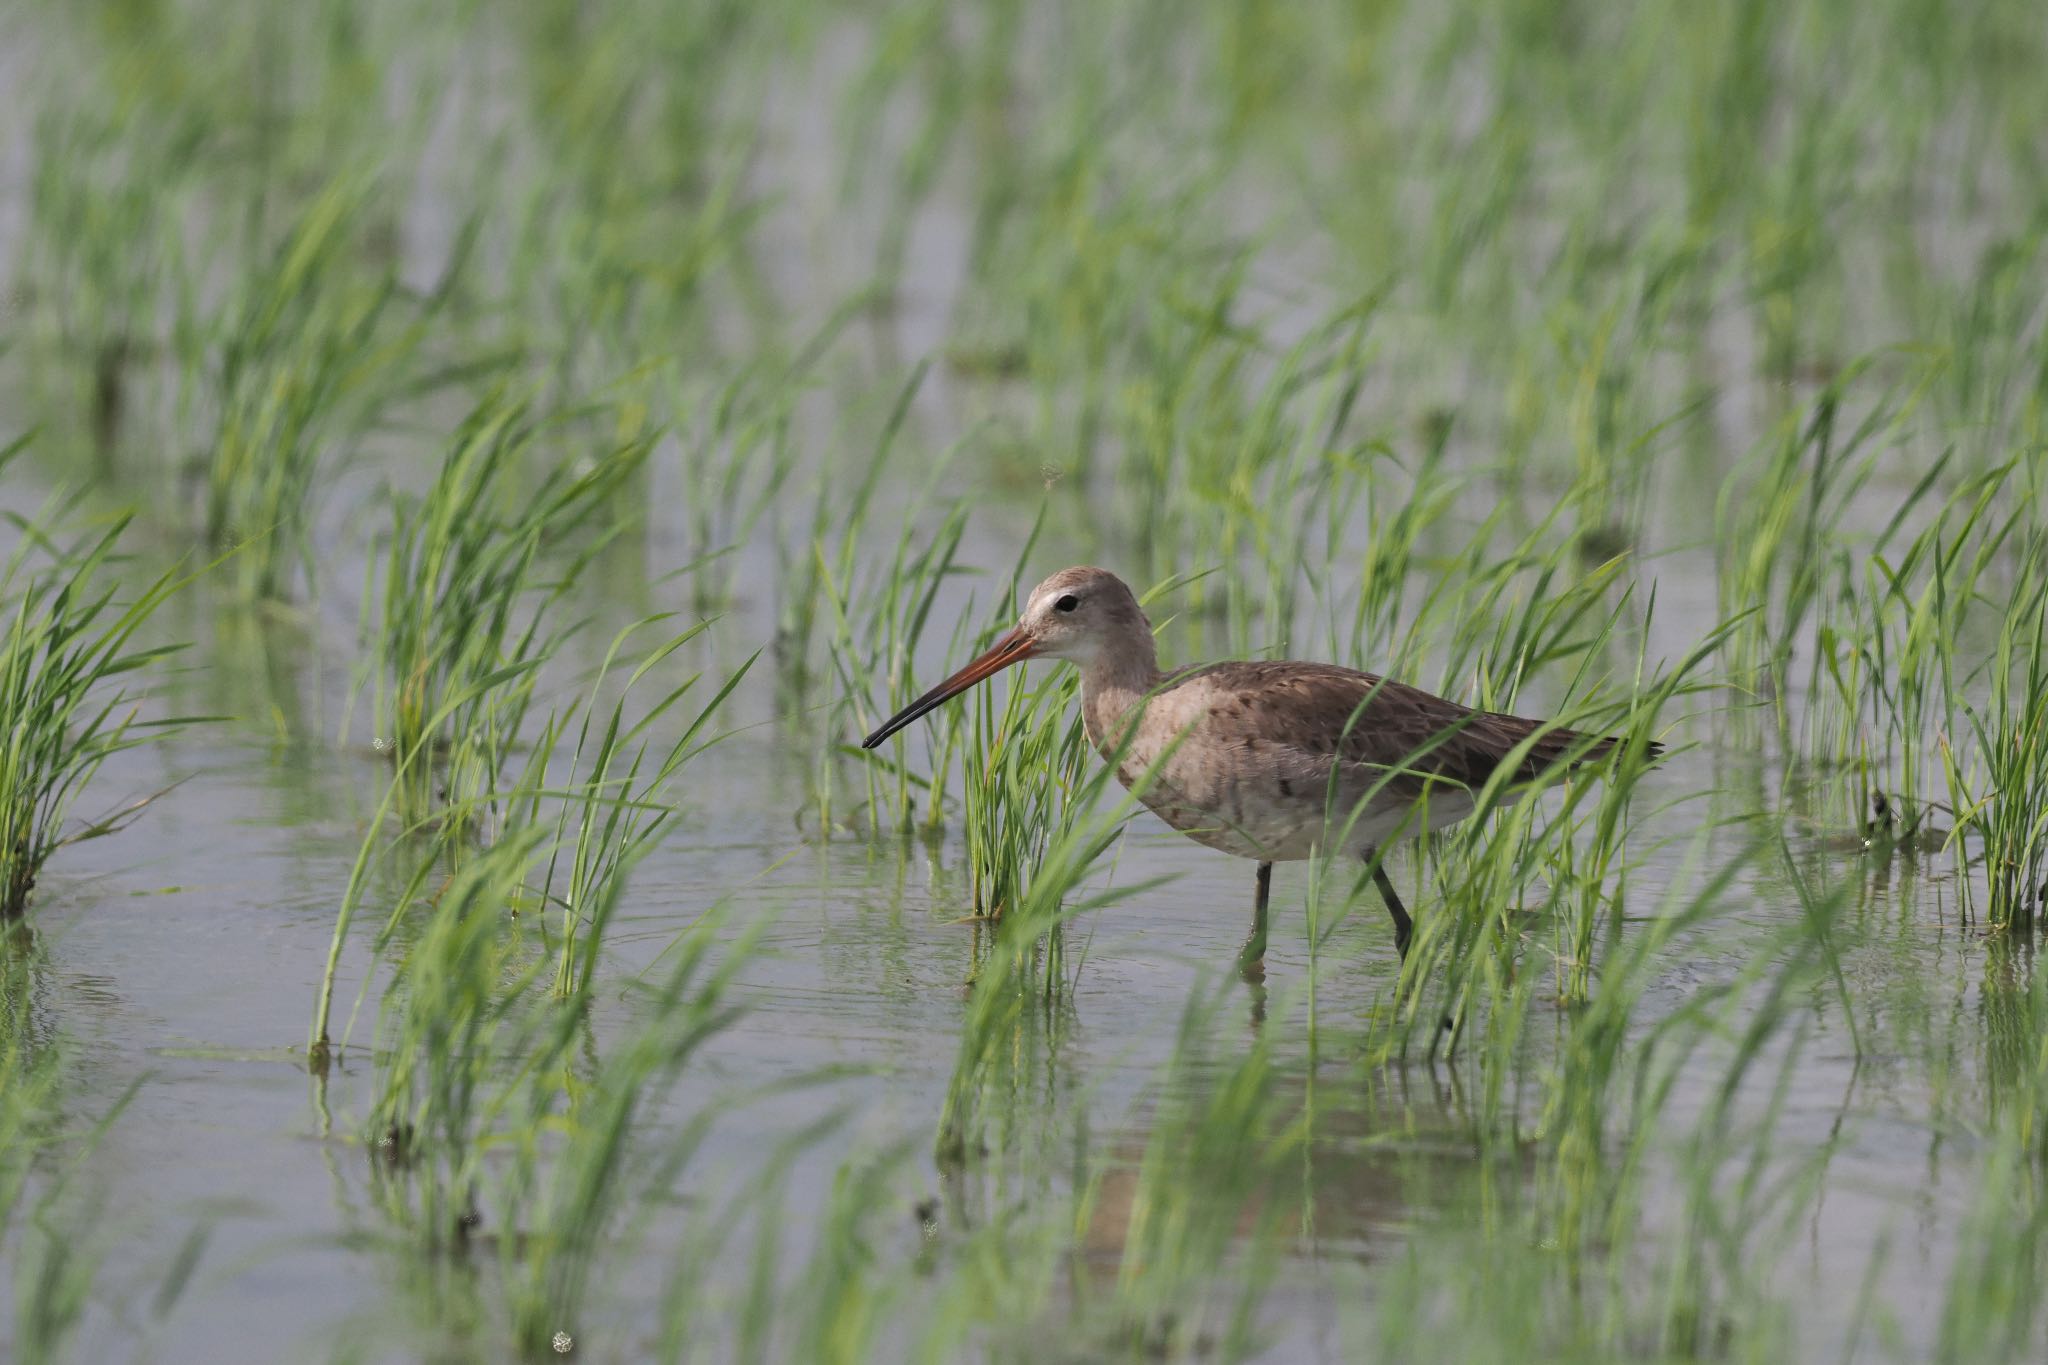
column 1267, row 760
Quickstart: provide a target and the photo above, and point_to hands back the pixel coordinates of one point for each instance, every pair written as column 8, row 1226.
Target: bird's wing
column 1326, row 711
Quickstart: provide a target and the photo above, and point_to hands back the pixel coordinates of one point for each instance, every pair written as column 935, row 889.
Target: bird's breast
column 1220, row 783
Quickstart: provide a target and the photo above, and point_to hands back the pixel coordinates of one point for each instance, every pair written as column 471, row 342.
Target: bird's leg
column 1404, row 928
column 1251, row 959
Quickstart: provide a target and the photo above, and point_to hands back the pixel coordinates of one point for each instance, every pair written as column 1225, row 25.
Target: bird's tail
column 1573, row 748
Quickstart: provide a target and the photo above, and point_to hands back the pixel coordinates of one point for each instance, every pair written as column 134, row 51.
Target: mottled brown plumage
column 1364, row 718
column 1273, row 761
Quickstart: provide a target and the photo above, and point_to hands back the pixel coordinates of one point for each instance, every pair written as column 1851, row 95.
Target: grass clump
column 70, row 645
column 498, row 1139
column 99, row 255
column 464, row 616
column 501, row 1131
column 617, row 804
column 1026, row 968
column 303, row 358
column 586, row 832
column 2009, row 811
column 877, row 628
column 1025, row 756
column 1778, row 535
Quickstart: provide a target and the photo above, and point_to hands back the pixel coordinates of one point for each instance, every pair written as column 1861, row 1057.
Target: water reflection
column 2007, row 1007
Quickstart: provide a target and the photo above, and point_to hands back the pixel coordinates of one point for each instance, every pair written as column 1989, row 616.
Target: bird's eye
column 1067, row 603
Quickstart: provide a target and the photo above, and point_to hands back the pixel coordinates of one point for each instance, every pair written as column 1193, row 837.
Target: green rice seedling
column 1172, row 1240
column 1519, row 621
column 842, row 1304
column 1588, row 867
column 1230, row 446
column 1138, row 237
column 457, row 1003
column 572, row 1193
column 1487, row 1280
column 1491, row 617
column 1697, row 894
column 1882, row 670
column 1023, row 764
column 304, row 358
column 1163, row 1243
column 1612, row 1276
column 1783, row 517
column 1401, row 517
column 916, row 48
column 1226, row 452
column 1026, row 963
column 877, row 626
column 618, row 804
column 1777, row 529
column 1599, row 326
column 497, row 1137
column 1989, row 401
column 1023, row 753
column 1577, row 840
column 55, row 1264
column 2009, row 811
column 838, row 518
column 1510, row 625
column 69, row 649
column 1746, row 1207
column 878, row 617
column 98, row 256
column 633, row 201
column 462, row 1027
column 1085, row 278
column 371, row 858
column 1470, row 957
column 604, row 818
column 736, row 448
column 845, row 1302
column 1892, row 663
column 464, row 618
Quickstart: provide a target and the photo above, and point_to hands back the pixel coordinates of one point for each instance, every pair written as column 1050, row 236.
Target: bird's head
column 1077, row 614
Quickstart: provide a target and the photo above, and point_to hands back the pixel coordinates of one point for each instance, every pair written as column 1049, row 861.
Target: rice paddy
column 473, row 475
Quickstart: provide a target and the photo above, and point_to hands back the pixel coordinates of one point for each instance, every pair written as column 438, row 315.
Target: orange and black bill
column 1014, row 648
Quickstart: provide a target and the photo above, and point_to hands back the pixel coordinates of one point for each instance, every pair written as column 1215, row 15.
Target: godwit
column 1265, row 760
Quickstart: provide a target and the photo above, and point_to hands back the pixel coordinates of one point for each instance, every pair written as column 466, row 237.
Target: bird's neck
column 1113, row 683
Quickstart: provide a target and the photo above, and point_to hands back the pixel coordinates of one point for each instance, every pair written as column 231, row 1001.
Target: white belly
column 1251, row 815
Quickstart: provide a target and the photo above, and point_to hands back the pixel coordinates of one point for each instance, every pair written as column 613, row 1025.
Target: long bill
column 1013, row 648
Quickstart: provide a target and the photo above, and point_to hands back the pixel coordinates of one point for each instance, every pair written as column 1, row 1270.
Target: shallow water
column 182, row 955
